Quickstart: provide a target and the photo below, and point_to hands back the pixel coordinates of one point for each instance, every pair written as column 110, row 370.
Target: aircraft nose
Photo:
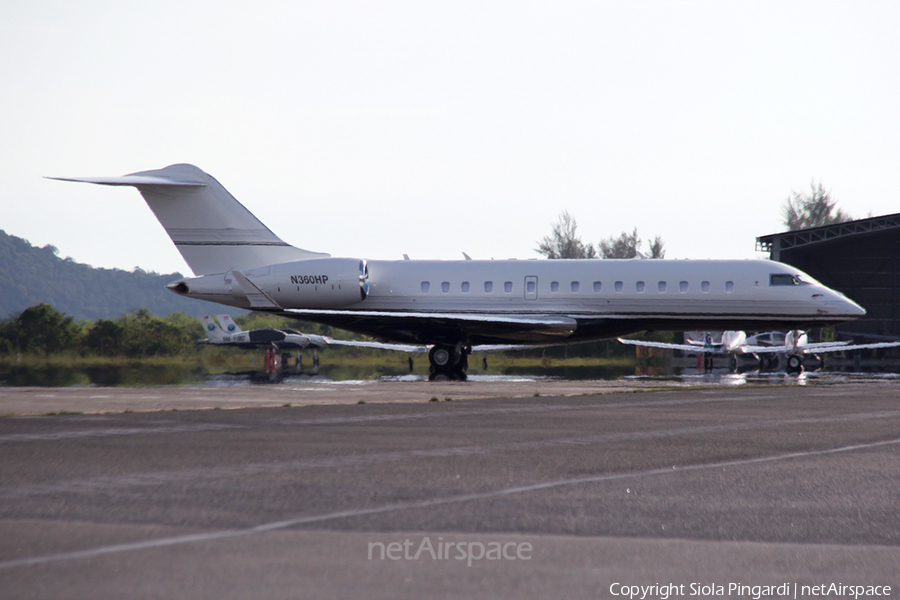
column 846, row 307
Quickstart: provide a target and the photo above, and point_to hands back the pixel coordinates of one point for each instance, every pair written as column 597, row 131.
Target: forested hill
column 31, row 275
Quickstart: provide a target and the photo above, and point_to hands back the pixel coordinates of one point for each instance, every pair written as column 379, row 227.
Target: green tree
column 106, row 338
column 41, row 328
column 802, row 211
column 563, row 242
column 657, row 248
column 627, row 245
column 146, row 334
column 624, row 246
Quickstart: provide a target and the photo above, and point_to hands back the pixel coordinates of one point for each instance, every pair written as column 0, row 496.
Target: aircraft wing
column 447, row 327
column 818, row 348
column 692, row 348
column 838, row 348
column 380, row 345
column 765, row 349
column 507, row 347
column 821, row 345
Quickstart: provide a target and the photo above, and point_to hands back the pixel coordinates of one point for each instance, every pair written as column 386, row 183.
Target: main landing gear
column 448, row 363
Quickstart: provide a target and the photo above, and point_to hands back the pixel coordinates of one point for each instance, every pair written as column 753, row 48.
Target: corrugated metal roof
column 816, row 235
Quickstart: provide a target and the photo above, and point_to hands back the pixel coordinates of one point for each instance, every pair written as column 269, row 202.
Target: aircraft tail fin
column 213, row 231
column 228, row 324
column 211, row 328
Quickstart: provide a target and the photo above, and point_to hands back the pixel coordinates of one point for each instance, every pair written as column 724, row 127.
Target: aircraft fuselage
column 531, row 301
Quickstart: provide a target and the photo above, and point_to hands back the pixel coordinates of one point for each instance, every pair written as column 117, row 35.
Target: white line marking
column 100, row 484
column 359, row 512
column 63, row 435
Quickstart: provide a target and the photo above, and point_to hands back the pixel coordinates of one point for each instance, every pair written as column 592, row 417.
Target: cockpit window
column 807, row 280
column 783, row 279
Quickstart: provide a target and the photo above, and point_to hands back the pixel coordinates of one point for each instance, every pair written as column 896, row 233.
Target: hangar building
column 861, row 259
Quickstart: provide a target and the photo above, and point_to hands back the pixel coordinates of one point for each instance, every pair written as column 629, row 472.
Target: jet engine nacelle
column 315, row 283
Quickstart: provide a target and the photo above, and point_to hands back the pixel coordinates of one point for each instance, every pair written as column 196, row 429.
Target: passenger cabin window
column 575, row 286
column 597, row 286
column 661, row 287
column 488, row 287
column 465, row 287
column 507, row 287
column 729, row 287
column 425, row 287
column 618, row 287
column 683, row 287
column 554, row 286
column 782, row 279
column 639, row 286
column 704, row 287
column 529, row 287
column 445, row 287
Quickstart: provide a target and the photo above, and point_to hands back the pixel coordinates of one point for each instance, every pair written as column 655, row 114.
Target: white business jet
column 454, row 306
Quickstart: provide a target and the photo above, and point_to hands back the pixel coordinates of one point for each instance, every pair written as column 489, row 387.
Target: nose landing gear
column 794, row 364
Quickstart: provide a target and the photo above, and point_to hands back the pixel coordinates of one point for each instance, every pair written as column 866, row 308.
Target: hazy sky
column 374, row 129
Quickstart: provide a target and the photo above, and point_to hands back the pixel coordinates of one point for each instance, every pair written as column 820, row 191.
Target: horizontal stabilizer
column 133, row 180
column 212, row 230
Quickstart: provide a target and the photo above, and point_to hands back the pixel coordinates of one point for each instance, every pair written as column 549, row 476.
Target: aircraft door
column 531, row 283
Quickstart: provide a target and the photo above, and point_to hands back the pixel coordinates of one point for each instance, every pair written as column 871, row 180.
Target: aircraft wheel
column 794, row 364
column 441, row 358
column 450, row 361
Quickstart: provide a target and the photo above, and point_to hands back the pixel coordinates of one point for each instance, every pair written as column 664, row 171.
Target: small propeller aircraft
column 223, row 331
column 794, row 345
column 228, row 333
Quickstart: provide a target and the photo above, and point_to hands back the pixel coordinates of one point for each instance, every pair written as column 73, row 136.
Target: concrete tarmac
column 566, row 495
